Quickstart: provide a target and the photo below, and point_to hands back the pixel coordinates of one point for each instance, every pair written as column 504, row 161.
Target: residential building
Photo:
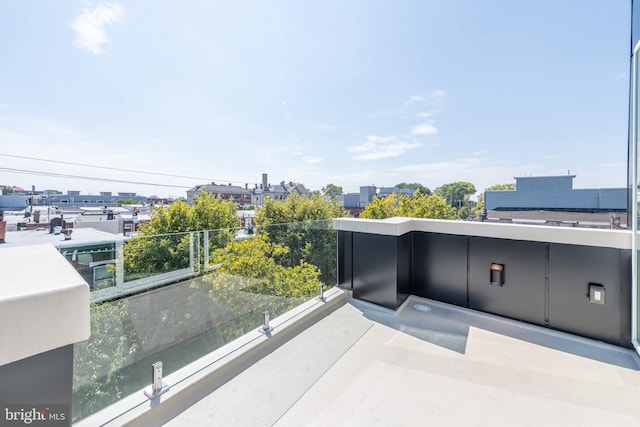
column 240, row 195
column 245, row 196
column 555, row 193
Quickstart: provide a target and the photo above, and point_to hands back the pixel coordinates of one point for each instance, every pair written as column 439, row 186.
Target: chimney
column 264, row 181
column 246, row 185
column 3, row 227
column 33, row 189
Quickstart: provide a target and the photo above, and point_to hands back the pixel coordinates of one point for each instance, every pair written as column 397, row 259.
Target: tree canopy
column 255, row 261
column 207, row 213
column 126, row 202
column 510, row 186
column 303, row 224
column 163, row 243
column 416, row 206
column 456, row 193
column 332, row 190
column 414, row 186
column 298, row 208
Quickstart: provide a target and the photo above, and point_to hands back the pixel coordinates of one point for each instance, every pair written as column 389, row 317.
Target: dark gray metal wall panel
column 45, row 378
column 404, row 265
column 345, row 254
column 375, row 268
column 440, row 267
column 571, row 269
column 523, row 295
column 625, row 298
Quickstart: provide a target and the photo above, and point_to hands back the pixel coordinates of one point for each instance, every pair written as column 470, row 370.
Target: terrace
column 414, row 328
column 399, row 321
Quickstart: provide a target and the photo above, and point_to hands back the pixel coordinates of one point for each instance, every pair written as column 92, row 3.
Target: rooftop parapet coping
column 44, row 302
column 397, row 226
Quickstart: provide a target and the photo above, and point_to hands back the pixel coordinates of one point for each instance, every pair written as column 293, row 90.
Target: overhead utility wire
column 128, row 170
column 88, row 178
column 118, row 169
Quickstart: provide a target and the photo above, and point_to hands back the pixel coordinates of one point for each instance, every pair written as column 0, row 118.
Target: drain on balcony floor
column 421, row 307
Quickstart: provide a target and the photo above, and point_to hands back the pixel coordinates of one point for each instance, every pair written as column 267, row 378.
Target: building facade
column 555, row 193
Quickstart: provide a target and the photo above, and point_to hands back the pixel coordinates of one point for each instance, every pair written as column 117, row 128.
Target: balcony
column 418, row 326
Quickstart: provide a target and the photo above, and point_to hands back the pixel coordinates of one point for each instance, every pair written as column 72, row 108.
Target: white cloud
column 433, row 98
column 623, row 75
column 381, row 147
column 311, row 160
column 424, row 129
column 415, row 98
column 424, row 114
column 89, row 26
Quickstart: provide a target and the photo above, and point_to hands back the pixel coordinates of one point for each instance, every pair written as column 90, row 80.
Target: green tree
column 255, row 262
column 416, row 206
column 164, row 243
column 298, row 208
column 303, row 224
column 126, row 202
column 456, row 193
column 509, row 186
column 249, row 280
column 380, row 208
column 415, row 186
column 424, row 206
column 332, row 190
column 479, row 209
column 6, row 190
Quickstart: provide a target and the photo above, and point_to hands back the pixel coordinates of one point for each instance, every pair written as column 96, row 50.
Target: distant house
column 240, row 195
column 75, row 199
column 276, row 192
column 245, row 196
column 555, row 193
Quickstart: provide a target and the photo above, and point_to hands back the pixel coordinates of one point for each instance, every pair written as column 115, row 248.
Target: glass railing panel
column 96, row 263
column 308, row 243
column 178, row 323
column 147, row 256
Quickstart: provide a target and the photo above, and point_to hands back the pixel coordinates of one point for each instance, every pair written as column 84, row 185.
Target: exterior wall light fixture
column 496, row 274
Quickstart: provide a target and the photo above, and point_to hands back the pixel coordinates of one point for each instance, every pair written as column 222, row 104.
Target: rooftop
column 419, row 365
column 342, row 360
column 41, row 236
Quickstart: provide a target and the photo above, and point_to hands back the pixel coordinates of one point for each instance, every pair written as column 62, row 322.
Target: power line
column 88, row 178
column 119, row 169
column 32, row 172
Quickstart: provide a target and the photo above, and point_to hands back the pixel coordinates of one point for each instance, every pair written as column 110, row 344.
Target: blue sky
column 346, row 92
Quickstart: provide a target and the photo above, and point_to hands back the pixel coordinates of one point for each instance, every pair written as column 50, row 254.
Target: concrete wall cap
column 44, row 302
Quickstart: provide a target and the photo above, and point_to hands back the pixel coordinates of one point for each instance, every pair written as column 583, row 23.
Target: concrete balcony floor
column 431, row 364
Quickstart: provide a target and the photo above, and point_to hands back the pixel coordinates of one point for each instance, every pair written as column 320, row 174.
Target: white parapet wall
column 44, row 302
column 620, row 239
